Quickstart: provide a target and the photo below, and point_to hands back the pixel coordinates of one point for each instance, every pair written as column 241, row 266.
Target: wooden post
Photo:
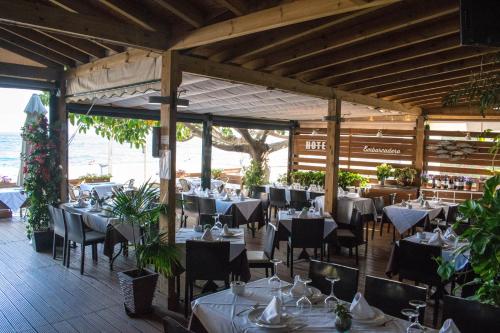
column 419, row 146
column 58, row 118
column 206, row 153
column 170, row 80
column 332, row 154
column 291, row 154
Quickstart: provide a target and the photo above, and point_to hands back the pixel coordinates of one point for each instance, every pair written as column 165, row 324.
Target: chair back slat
column 75, row 227
column 307, row 233
column 392, row 296
column 207, row 260
column 344, row 289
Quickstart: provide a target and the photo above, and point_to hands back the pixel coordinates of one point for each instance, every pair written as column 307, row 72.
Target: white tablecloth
column 246, row 207
column 345, row 205
column 219, row 313
column 286, row 220
column 102, row 189
column 237, row 244
column 404, row 218
column 12, row 197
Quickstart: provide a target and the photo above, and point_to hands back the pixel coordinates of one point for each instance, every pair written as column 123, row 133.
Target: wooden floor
column 38, row 294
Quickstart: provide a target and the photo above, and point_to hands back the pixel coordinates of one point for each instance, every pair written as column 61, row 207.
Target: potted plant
column 343, row 320
column 253, row 176
column 217, row 173
column 41, row 179
column 93, row 178
column 348, row 178
column 140, row 211
column 384, row 171
column 468, row 184
column 481, row 244
column 405, row 176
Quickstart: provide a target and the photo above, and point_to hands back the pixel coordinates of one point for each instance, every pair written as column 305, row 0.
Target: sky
column 13, row 102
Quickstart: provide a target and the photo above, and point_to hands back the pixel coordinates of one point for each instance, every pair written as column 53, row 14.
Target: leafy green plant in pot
column 343, row 319
column 253, row 176
column 384, row 171
column 139, row 212
column 347, row 178
column 482, row 244
column 405, row 176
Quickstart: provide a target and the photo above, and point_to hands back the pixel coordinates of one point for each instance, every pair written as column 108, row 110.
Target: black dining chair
column 314, row 195
column 78, row 234
column 190, row 206
column 277, row 199
column 60, row 230
column 207, row 206
column 417, row 263
column 379, row 203
column 298, row 199
column 173, row 322
column 262, row 259
column 205, row 261
column 470, row 316
column 344, row 289
column 392, row 296
column 451, row 217
column 306, row 234
column 353, row 236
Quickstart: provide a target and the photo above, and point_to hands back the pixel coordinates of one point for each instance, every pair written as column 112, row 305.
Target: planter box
column 42, row 240
column 138, row 289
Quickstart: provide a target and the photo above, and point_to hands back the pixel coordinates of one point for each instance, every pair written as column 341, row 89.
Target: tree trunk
column 260, row 154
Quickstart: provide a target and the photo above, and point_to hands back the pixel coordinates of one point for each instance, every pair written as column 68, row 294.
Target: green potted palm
column 139, row 211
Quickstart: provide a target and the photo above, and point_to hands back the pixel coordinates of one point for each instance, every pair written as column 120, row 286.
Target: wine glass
column 304, row 300
column 331, row 301
column 275, row 281
column 411, row 314
column 418, row 304
column 409, row 197
column 217, row 224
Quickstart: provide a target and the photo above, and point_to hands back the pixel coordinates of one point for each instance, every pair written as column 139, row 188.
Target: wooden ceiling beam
column 408, row 66
column 35, row 48
column 397, row 17
column 184, row 10
column 28, row 72
column 38, row 16
column 460, row 65
column 88, row 47
column 275, row 17
column 237, row 7
column 426, row 48
column 238, row 74
column 47, row 42
column 401, row 93
column 82, row 7
column 28, row 54
column 375, row 46
column 132, row 13
column 270, row 40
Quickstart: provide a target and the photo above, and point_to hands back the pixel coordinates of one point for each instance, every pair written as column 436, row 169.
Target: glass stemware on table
column 416, row 326
column 331, row 300
column 411, row 314
column 304, row 301
column 275, row 281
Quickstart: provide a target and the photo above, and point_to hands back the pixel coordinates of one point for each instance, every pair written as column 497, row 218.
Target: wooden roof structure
column 398, row 55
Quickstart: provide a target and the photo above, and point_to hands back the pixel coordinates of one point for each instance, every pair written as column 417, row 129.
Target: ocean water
column 87, row 152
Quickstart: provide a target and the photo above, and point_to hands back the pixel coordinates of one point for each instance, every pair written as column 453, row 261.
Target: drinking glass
column 409, row 197
column 275, row 281
column 418, row 304
column 331, row 301
column 304, row 301
column 217, row 224
column 411, row 314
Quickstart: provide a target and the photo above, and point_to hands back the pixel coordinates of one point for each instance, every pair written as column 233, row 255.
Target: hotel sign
column 315, row 145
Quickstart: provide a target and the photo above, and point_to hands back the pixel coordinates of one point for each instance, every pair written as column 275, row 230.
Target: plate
column 377, row 320
column 94, row 210
column 78, row 206
column 316, row 293
column 254, row 315
column 232, row 234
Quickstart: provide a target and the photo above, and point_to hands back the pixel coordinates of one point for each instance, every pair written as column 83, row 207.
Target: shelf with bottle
column 453, row 183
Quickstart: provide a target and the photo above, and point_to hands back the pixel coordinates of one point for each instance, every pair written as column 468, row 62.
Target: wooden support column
column 291, row 133
column 206, row 153
column 170, row 81
column 420, row 149
column 58, row 119
column 332, row 154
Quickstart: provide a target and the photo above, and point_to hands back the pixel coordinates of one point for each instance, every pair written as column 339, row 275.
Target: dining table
column 225, row 311
column 447, row 250
column 13, row 198
column 102, row 189
column 405, row 217
column 237, row 248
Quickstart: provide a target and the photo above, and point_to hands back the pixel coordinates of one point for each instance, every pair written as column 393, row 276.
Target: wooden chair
column 262, row 259
column 392, row 296
column 78, row 234
column 306, row 234
column 471, row 316
column 344, row 289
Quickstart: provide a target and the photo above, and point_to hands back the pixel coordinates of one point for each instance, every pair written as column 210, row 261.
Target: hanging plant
column 41, row 174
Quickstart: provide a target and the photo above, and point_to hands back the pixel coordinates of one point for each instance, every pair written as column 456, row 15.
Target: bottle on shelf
column 438, row 182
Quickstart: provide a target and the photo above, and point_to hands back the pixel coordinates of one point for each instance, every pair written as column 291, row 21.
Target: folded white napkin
column 299, row 289
column 449, row 327
column 450, row 233
column 225, row 229
column 360, row 309
column 207, row 235
column 436, row 239
column 272, row 312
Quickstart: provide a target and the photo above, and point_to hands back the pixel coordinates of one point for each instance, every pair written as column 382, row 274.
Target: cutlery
column 253, row 307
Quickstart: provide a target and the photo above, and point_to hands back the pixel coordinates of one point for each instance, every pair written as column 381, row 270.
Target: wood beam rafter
column 79, row 25
column 28, row 72
column 237, row 7
column 28, row 54
column 184, row 10
column 82, row 45
column 271, row 18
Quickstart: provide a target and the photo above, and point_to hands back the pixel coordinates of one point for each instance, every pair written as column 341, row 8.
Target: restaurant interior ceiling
column 404, row 52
